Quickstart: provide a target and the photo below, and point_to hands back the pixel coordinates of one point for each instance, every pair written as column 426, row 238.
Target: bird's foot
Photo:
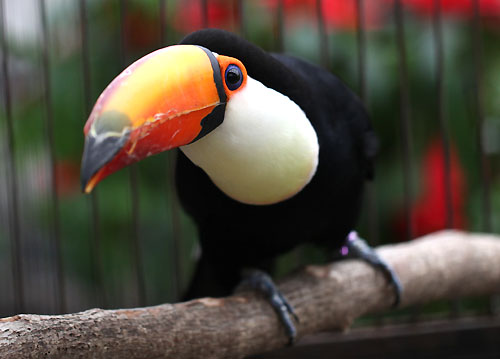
column 262, row 282
column 356, row 247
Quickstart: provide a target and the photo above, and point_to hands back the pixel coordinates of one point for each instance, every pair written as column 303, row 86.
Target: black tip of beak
column 98, row 151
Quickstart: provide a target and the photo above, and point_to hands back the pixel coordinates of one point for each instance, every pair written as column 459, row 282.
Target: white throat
column 265, row 150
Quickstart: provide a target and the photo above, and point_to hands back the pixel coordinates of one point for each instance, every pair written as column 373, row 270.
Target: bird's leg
column 356, row 247
column 262, row 282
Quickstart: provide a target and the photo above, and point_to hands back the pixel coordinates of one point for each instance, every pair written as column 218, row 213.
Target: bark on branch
column 443, row 265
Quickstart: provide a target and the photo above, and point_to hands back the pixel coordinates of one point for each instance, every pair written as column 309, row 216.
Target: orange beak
column 166, row 99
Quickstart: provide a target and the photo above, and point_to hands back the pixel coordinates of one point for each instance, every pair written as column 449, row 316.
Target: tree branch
column 444, row 265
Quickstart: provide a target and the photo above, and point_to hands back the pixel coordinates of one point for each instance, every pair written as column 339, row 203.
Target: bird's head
column 169, row 98
column 248, row 132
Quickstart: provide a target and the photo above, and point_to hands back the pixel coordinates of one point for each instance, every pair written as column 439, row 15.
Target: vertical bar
column 15, row 228
column 134, row 187
column 405, row 121
column 163, row 22
column 361, row 40
column 204, row 13
column 279, row 28
column 173, row 203
column 98, row 271
column 49, row 128
column 443, row 126
column 175, row 252
column 405, row 128
column 371, row 203
column 239, row 15
column 135, row 245
column 477, row 43
column 478, row 84
column 323, row 37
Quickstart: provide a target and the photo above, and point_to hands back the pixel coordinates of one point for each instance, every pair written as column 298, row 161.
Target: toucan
column 274, row 152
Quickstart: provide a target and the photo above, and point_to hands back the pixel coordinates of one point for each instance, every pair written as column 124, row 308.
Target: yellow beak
column 164, row 100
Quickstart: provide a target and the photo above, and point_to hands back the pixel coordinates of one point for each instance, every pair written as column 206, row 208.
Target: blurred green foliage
column 110, row 42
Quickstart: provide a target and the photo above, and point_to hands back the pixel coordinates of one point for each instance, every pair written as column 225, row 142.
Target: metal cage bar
column 175, row 221
column 49, row 132
column 371, row 193
column 12, row 181
column 323, row 36
column 279, row 28
column 176, row 234
column 477, row 44
column 135, row 247
column 440, row 98
column 361, row 47
column 239, row 15
column 405, row 118
column 100, row 292
column 444, row 131
column 162, row 8
column 204, row 12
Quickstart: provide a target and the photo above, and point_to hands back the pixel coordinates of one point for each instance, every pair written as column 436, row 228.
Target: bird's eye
column 234, row 77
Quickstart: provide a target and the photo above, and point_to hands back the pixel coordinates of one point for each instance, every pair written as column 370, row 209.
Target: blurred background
column 427, row 70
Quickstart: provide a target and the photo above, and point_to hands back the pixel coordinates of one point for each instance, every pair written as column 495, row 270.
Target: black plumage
column 234, row 235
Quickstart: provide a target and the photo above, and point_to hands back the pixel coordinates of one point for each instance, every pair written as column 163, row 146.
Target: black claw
column 263, row 283
column 398, row 289
column 393, row 279
column 356, row 247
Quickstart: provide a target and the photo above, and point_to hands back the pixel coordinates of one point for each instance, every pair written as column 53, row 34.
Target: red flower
column 338, row 14
column 429, row 211
column 463, row 8
column 67, row 178
column 343, row 14
column 220, row 14
column 141, row 30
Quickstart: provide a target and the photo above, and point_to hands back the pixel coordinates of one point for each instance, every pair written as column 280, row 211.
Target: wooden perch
column 447, row 264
